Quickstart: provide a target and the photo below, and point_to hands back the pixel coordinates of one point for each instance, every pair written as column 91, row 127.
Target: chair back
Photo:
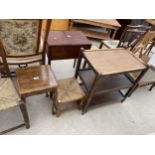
column 23, row 37
column 131, row 34
column 141, row 46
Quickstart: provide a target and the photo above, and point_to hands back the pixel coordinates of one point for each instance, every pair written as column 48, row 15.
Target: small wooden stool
column 68, row 90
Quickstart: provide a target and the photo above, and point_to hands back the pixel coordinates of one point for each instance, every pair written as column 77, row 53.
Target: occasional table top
column 113, row 61
column 100, row 22
column 67, row 38
column 33, row 80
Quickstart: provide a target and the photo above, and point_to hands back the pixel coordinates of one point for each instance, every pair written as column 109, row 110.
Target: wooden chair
column 9, row 97
column 128, row 37
column 68, row 90
column 24, row 41
column 141, row 46
column 140, row 50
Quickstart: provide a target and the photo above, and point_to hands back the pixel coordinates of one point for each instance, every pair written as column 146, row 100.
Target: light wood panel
column 58, row 24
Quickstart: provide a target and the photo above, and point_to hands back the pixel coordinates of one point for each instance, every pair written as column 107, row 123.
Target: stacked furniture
column 96, row 28
column 105, row 74
column 129, row 36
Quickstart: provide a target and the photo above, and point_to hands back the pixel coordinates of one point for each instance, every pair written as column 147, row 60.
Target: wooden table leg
column 79, row 62
column 90, row 94
column 135, row 85
column 109, row 32
column 101, row 45
column 114, row 34
column 25, row 114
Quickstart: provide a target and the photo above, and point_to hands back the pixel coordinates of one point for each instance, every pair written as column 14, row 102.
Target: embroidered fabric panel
column 19, row 36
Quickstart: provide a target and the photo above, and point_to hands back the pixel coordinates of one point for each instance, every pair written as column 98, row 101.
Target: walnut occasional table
column 66, row 44
column 107, row 74
column 35, row 80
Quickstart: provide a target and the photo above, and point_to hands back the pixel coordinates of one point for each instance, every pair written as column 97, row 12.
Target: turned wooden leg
column 25, row 115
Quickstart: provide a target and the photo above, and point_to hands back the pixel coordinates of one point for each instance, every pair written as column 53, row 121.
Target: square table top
column 67, row 38
column 113, row 61
column 33, row 80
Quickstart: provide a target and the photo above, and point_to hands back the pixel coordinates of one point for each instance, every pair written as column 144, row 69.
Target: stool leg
column 58, row 112
column 58, row 109
column 56, row 106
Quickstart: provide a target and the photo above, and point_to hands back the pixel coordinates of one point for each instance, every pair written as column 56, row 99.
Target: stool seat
column 68, row 90
column 147, row 79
